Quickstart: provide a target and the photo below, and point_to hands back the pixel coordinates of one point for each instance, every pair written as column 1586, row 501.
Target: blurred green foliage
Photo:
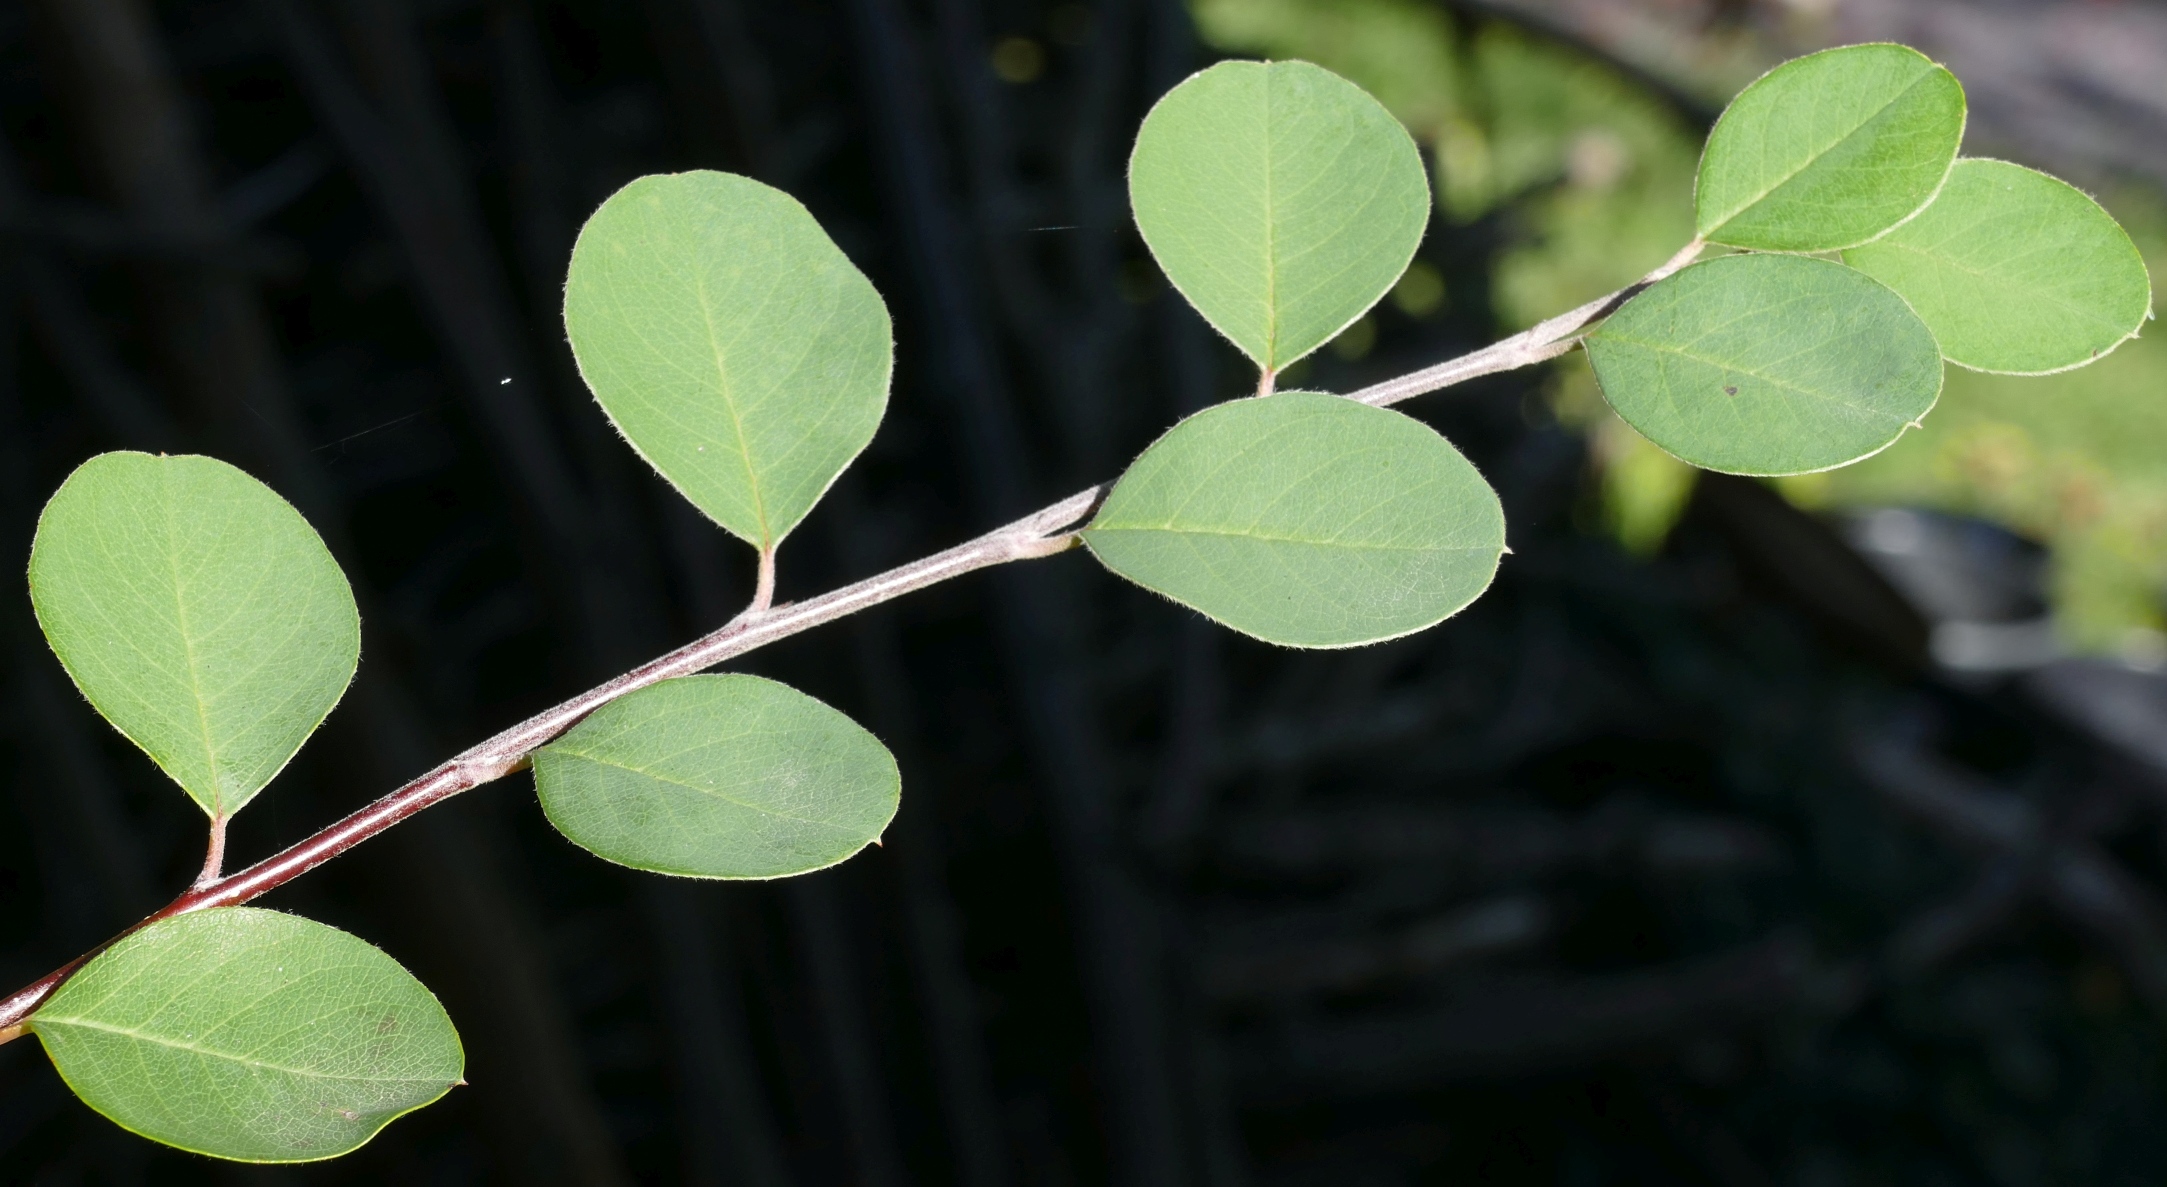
column 1592, row 178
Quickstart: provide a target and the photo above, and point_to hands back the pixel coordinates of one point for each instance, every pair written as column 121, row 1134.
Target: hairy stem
column 214, row 861
column 763, row 593
column 1043, row 533
column 1547, row 340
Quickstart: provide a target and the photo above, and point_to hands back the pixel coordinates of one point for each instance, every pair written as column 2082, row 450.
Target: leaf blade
column 1767, row 364
column 731, row 342
column 1280, row 199
column 727, row 776
column 1304, row 520
column 1829, row 150
column 250, row 1035
column 199, row 613
column 2014, row 271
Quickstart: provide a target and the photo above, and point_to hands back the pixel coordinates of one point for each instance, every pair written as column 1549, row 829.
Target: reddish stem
column 214, row 861
column 1042, row 534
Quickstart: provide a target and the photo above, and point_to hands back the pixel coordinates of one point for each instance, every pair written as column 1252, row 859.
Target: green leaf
column 2014, row 271
column 1280, row 199
column 1767, row 364
column 719, row 777
column 199, row 612
column 731, row 342
column 250, row 1035
column 1305, row 520
column 1829, row 150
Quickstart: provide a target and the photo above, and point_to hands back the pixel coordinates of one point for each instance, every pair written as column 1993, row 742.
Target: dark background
column 1688, row 870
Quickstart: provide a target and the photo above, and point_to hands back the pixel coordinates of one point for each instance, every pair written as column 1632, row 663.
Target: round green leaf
column 731, row 342
column 250, row 1035
column 1305, row 520
column 1829, row 150
column 1280, row 199
column 199, row 612
column 719, row 777
column 2014, row 271
column 1767, row 364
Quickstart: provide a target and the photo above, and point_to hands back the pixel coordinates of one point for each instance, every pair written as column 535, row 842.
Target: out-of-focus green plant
column 1591, row 171
column 1596, row 173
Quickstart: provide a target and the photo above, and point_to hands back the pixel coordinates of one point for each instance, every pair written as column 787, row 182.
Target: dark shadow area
column 1693, row 869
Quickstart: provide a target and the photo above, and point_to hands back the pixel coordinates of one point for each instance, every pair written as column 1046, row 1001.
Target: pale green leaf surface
column 727, row 776
column 1767, row 364
column 1829, row 150
column 1305, row 520
column 199, row 612
column 2014, row 271
column 251, row 1035
column 1280, row 199
column 731, row 342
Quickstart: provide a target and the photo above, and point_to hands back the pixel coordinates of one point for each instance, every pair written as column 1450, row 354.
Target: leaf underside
column 2014, row 271
column 199, row 612
column 726, row 776
column 1829, row 150
column 731, row 342
column 1280, row 199
column 1305, row 520
column 1767, row 364
column 250, row 1035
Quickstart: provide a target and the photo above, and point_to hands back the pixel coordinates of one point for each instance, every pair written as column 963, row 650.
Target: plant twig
column 1547, row 340
column 1043, row 533
column 763, row 594
column 214, row 860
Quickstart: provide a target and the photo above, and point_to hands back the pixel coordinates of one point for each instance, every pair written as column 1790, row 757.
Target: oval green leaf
column 1305, row 520
column 199, row 612
column 250, row 1035
column 1280, row 199
column 2014, row 271
column 731, row 342
column 719, row 777
column 1768, row 364
column 1829, row 150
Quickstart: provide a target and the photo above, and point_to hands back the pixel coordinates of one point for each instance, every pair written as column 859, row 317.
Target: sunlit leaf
column 1305, row 520
column 1829, row 150
column 731, row 342
column 719, row 777
column 1767, row 364
column 2014, row 271
column 250, row 1035
column 199, row 612
column 1280, row 199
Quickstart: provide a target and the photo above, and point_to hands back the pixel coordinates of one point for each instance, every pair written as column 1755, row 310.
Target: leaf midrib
column 1815, row 156
column 697, row 789
column 188, row 647
column 1278, row 539
column 2036, row 293
column 729, row 403
column 43, row 1020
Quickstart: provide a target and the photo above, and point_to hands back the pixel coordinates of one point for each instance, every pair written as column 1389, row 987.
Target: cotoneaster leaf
column 1280, row 199
column 1829, row 150
column 199, row 612
column 2014, row 271
column 731, row 342
column 719, row 777
column 1305, row 520
column 250, row 1035
column 1767, row 364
